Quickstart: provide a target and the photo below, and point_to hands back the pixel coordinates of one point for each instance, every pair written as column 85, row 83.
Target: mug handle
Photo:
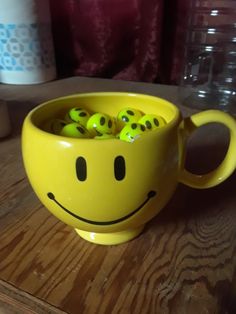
column 227, row 166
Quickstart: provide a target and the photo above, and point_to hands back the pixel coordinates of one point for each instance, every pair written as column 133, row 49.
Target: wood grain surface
column 184, row 262
column 14, row 300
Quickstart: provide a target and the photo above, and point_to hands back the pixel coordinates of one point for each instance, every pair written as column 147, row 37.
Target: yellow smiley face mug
column 108, row 189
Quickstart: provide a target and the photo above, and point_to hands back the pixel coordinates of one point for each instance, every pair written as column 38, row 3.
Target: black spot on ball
column 142, row 127
column 134, row 126
column 77, row 109
column 102, row 120
column 156, row 122
column 148, row 124
column 98, row 133
column 125, row 118
column 109, row 123
column 130, row 112
column 82, row 114
column 80, row 129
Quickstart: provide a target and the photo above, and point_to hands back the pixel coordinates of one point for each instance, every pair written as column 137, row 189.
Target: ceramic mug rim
column 38, row 110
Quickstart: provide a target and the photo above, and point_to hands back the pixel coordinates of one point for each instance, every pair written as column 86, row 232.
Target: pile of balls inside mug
column 127, row 126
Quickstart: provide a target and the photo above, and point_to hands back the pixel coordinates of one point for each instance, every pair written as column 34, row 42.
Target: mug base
column 111, row 238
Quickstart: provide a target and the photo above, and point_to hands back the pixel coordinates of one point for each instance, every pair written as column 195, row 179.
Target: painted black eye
column 81, row 169
column 119, row 168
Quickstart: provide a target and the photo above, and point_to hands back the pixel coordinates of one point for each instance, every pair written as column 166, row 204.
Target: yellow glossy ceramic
column 107, row 190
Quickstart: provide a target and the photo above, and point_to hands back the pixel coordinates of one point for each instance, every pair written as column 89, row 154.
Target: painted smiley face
column 102, row 223
column 119, row 175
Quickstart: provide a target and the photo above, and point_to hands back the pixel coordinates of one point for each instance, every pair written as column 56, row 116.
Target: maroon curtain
column 115, row 39
column 140, row 40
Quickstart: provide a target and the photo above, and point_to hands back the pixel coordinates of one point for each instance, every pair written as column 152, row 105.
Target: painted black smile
column 103, row 223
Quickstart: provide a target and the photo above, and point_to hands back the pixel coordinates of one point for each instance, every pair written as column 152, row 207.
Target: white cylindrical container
column 26, row 45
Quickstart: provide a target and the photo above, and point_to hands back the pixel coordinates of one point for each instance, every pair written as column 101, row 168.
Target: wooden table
column 184, row 262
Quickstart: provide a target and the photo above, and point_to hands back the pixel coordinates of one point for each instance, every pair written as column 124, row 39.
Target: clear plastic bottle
column 209, row 75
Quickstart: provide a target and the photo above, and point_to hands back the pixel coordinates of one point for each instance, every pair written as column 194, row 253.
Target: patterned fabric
column 25, row 47
column 132, row 40
column 115, row 39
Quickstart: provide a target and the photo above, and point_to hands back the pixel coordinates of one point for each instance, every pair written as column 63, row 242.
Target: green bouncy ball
column 129, row 115
column 54, row 125
column 131, row 132
column 76, row 130
column 104, row 136
column 100, row 123
column 152, row 121
column 78, row 115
